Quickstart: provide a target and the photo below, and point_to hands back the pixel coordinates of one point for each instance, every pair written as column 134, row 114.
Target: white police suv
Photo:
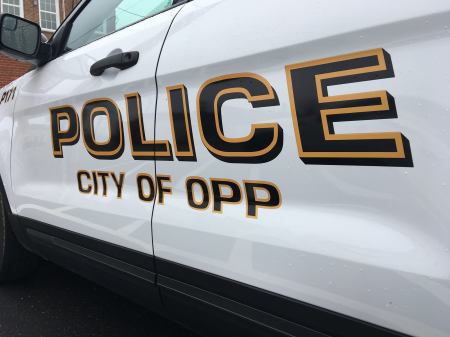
column 248, row 168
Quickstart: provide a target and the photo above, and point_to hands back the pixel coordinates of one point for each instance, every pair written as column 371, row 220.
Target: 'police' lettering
column 63, row 136
column 141, row 148
column 313, row 111
column 264, row 142
column 114, row 146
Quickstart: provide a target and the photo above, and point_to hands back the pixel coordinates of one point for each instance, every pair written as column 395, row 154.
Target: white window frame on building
column 5, row 2
column 58, row 19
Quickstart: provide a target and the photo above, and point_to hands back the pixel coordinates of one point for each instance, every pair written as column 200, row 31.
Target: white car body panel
column 369, row 242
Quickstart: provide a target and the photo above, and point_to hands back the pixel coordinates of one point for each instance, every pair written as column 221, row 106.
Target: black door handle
column 120, row 61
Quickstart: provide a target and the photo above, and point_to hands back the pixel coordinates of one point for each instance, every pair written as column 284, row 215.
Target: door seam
column 154, row 139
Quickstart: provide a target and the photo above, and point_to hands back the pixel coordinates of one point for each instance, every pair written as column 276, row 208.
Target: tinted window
column 103, row 17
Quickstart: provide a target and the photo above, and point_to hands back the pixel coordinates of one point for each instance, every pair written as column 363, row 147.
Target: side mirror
column 19, row 38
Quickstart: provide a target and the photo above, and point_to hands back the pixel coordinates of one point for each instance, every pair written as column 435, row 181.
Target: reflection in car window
column 103, row 17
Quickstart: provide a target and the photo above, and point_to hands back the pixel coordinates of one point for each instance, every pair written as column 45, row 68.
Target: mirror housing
column 21, row 39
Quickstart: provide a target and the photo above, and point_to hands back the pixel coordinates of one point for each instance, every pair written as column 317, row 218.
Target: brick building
column 48, row 13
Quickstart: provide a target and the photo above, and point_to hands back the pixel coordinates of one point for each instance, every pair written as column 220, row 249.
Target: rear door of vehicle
column 73, row 163
column 336, row 106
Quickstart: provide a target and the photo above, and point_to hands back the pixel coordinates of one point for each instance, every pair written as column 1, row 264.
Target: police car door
column 84, row 125
column 292, row 170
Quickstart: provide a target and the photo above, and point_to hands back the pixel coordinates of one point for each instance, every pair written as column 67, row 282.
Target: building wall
column 11, row 69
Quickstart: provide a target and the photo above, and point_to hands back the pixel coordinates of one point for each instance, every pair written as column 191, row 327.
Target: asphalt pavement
column 57, row 303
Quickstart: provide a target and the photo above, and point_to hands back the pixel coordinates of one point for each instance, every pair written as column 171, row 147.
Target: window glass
column 48, row 14
column 12, row 7
column 103, row 17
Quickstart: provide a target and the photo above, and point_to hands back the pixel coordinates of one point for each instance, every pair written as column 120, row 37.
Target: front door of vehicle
column 76, row 156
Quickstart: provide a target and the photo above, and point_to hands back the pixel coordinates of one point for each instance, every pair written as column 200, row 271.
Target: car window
column 103, row 17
